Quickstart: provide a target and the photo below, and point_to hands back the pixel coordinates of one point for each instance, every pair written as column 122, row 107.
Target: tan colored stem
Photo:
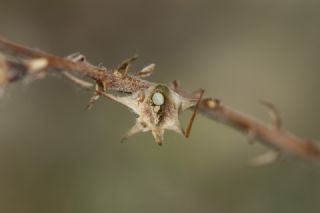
column 272, row 136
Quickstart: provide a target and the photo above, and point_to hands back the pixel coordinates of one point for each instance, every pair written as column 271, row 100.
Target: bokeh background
column 57, row 157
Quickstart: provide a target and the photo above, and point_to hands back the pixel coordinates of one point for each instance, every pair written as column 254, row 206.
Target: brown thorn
column 188, row 129
column 84, row 84
column 96, row 96
column 76, row 57
column 274, row 113
column 175, row 85
column 135, row 129
column 125, row 65
column 158, row 136
column 92, row 101
column 146, row 71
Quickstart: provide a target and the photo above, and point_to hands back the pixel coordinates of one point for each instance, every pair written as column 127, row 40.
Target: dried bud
column 36, row 65
column 157, row 109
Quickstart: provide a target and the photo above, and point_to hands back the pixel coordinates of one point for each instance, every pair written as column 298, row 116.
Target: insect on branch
column 157, row 105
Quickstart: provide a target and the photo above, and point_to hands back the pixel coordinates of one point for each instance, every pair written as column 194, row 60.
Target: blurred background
column 57, row 157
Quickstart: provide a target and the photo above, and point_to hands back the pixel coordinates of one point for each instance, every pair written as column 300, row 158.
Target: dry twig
column 166, row 102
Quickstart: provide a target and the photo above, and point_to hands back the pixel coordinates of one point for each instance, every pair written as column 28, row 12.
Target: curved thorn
column 85, row 84
column 146, row 71
column 125, row 65
column 188, row 129
column 176, row 127
column 92, row 101
column 76, row 57
column 94, row 98
column 133, row 131
column 175, row 85
column 158, row 136
column 274, row 113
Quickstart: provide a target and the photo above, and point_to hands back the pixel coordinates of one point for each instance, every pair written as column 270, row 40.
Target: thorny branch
column 156, row 105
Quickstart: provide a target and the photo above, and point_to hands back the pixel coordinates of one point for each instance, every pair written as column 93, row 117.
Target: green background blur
column 57, row 157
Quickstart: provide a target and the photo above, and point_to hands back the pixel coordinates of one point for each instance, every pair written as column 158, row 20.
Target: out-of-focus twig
column 272, row 136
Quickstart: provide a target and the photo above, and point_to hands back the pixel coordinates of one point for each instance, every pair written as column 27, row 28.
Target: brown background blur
column 56, row 157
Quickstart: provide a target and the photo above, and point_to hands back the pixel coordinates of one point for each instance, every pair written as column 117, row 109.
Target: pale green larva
column 158, row 99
